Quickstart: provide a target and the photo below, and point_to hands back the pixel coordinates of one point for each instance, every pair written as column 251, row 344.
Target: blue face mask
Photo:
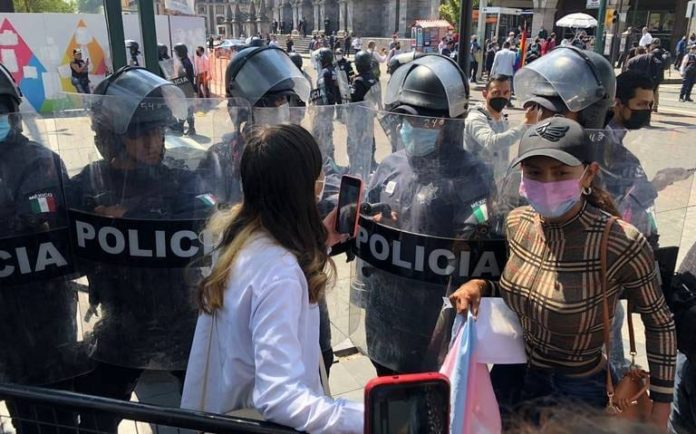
column 418, row 142
column 4, row 127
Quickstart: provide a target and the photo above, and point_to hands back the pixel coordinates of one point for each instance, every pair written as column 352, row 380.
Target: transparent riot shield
column 173, row 70
column 42, row 341
column 138, row 196
column 425, row 229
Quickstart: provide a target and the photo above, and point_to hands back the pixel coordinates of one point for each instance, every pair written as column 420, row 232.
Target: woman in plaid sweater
column 552, row 277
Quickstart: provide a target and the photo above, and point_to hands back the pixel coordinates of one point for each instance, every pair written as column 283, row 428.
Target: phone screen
column 414, row 408
column 348, row 205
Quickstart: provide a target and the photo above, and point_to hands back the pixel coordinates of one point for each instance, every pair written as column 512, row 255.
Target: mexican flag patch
column 207, row 199
column 42, row 203
column 480, row 211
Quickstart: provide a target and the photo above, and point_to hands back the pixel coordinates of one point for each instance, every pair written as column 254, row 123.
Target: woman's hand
column 469, row 296
column 660, row 414
column 333, row 237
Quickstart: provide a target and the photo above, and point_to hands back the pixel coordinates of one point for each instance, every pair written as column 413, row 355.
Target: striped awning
column 426, row 24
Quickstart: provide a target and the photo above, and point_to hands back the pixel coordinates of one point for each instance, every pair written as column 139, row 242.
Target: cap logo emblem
column 549, row 132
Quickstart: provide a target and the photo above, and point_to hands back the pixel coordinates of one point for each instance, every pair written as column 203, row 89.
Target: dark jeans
column 81, row 85
column 526, row 392
column 473, row 71
column 30, row 418
column 683, row 417
column 687, row 86
column 110, row 381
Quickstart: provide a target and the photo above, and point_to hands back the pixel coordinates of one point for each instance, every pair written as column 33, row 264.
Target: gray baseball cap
column 559, row 138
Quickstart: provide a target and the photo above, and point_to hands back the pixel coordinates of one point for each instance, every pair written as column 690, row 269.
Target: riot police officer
column 133, row 49
column 38, row 332
column 364, row 88
column 140, row 283
column 253, row 98
column 327, row 93
column 162, row 52
column 578, row 84
column 437, row 196
column 297, row 60
column 365, row 80
column 181, row 51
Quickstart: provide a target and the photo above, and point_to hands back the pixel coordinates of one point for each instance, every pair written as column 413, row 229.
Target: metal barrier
column 48, row 411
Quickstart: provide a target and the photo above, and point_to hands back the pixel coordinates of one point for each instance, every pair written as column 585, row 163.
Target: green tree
column 90, row 6
column 449, row 10
column 44, row 6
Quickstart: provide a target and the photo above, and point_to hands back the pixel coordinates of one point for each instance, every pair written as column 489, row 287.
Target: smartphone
column 408, row 404
column 348, row 205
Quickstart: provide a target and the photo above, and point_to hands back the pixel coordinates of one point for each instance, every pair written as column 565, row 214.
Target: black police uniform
column 437, row 198
column 38, row 330
column 148, row 314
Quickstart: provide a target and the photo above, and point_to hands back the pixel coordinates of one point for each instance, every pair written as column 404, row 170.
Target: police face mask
column 638, row 119
column 551, row 199
column 5, row 127
column 418, row 142
column 272, row 115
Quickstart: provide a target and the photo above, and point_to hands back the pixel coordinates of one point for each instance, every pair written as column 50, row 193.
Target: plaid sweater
column 552, row 281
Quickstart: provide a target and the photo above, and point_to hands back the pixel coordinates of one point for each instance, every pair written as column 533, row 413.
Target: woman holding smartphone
column 256, row 344
column 552, row 277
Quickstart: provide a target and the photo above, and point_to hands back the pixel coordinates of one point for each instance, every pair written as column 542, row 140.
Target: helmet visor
column 270, row 70
column 446, row 71
column 139, row 97
column 565, row 73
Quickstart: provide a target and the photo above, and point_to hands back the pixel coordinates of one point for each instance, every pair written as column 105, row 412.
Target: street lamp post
column 466, row 12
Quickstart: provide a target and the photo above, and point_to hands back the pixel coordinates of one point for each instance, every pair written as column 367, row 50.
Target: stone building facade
column 363, row 17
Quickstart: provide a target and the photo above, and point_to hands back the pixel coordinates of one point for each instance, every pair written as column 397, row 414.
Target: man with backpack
column 688, row 71
column 651, row 64
column 662, row 59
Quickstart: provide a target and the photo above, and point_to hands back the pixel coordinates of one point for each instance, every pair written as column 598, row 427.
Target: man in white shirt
column 487, row 133
column 504, row 64
column 646, row 39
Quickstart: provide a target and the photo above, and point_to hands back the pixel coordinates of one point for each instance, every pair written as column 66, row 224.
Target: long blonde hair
column 279, row 168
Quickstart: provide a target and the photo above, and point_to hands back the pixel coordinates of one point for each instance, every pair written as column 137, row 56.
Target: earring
column 587, row 191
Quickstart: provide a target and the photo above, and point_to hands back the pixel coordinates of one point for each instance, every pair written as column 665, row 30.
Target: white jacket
column 263, row 348
column 491, row 139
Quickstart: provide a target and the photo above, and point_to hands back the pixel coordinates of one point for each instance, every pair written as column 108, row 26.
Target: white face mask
column 272, row 115
column 339, row 57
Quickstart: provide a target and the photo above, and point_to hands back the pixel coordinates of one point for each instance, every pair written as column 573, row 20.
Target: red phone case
column 376, row 383
column 357, row 211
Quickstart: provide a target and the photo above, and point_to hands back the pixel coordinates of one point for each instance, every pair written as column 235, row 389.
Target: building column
column 349, row 15
column 341, row 15
column 316, row 17
column 544, row 16
column 295, row 17
column 322, row 15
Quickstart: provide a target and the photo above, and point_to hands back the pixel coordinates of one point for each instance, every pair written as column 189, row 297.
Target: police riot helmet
column 257, row 42
column 133, row 47
column 256, row 73
column 9, row 91
column 432, row 85
column 582, row 79
column 325, row 56
column 401, row 59
column 363, row 62
column 162, row 52
column 296, row 58
column 133, row 100
column 181, row 50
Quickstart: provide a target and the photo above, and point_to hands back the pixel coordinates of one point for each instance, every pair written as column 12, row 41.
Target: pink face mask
column 551, row 199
